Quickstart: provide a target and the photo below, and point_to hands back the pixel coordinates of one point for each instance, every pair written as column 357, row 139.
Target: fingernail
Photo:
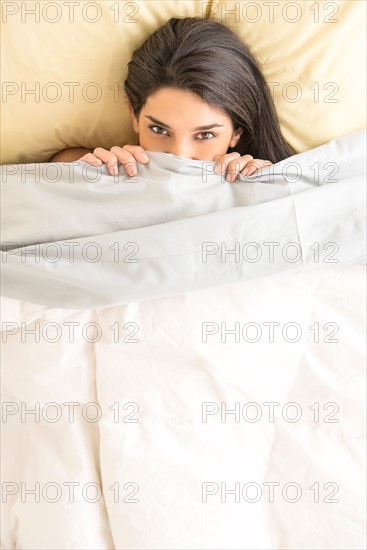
column 231, row 177
column 217, row 168
column 144, row 156
column 245, row 172
column 133, row 171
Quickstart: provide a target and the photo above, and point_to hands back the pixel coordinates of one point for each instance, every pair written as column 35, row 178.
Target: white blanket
column 190, row 404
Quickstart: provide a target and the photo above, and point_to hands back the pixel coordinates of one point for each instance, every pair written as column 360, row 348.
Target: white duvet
column 187, row 400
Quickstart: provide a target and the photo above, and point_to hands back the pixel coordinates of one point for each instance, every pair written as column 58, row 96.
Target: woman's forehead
column 170, row 104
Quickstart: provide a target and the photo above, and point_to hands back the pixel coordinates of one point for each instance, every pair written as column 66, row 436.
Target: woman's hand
column 126, row 155
column 235, row 164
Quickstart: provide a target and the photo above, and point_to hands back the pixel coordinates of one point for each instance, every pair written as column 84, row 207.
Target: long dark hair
column 207, row 58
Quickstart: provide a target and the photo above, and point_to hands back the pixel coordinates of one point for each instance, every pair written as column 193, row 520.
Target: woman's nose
column 181, row 151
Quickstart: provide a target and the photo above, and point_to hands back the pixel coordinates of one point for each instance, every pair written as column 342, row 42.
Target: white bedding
column 172, row 467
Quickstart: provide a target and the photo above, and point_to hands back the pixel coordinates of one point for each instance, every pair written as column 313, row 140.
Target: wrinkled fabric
column 152, row 399
column 167, row 219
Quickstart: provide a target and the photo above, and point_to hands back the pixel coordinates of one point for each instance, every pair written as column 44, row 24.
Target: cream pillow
column 63, row 70
column 313, row 57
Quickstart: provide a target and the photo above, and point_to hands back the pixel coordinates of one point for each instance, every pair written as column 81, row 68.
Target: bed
column 183, row 365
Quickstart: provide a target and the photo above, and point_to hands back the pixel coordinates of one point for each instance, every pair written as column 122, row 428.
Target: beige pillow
column 313, row 57
column 63, row 71
column 63, row 68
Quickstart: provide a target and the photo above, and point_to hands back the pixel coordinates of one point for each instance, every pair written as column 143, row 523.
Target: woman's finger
column 254, row 165
column 128, row 155
column 89, row 158
column 131, row 153
column 236, row 166
column 222, row 161
column 112, row 159
column 138, row 152
column 108, row 158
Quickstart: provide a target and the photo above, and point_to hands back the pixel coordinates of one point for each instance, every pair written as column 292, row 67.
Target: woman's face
column 179, row 122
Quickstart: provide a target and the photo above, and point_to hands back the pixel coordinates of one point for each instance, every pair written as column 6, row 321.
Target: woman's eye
column 159, row 130
column 159, row 127
column 207, row 134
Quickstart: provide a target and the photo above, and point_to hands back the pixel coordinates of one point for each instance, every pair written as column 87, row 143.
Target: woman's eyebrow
column 201, row 128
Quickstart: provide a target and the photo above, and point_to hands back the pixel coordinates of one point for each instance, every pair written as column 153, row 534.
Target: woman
column 191, row 78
